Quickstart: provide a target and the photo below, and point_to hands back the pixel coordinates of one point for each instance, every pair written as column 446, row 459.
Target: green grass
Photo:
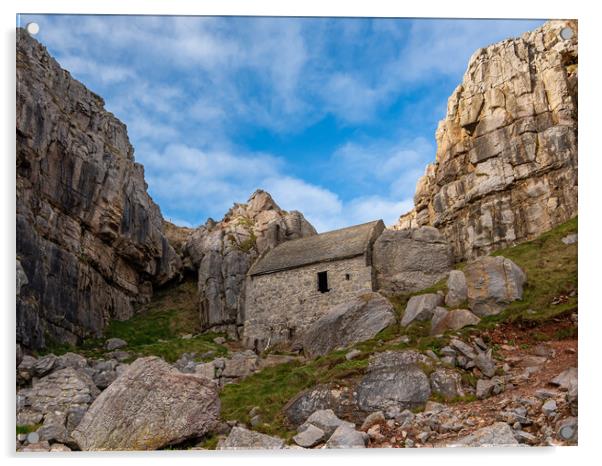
column 28, row 428
column 551, row 268
column 273, row 387
column 156, row 329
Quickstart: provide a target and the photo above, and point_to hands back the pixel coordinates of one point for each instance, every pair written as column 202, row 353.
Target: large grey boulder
column 496, row 435
column 452, row 320
column 340, row 399
column 244, row 439
column 149, row 406
column 410, row 260
column 326, row 420
column 421, row 308
column 446, row 383
column 347, row 437
column 392, row 385
column 493, row 283
column 310, row 436
column 457, row 292
column 348, row 323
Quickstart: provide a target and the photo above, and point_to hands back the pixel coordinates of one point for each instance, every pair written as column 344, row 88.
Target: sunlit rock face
column 89, row 238
column 506, row 164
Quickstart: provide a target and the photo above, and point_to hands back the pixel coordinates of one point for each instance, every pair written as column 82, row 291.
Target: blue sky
column 334, row 117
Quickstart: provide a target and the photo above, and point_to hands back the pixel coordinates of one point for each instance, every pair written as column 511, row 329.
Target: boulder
column 496, row 435
column 347, row 437
column 446, row 383
column 151, row 405
column 339, row 399
column 392, row 383
column 493, row 283
column 240, row 365
column 421, row 308
column 452, row 320
column 115, row 343
column 410, row 260
column 457, row 291
column 566, row 379
column 485, row 363
column 326, row 420
column 348, row 323
column 376, row 417
column 489, row 387
column 310, row 436
column 244, row 439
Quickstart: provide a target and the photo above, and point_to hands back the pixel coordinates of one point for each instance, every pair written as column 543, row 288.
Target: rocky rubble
column 222, row 253
column 90, row 239
column 487, row 285
column 506, row 162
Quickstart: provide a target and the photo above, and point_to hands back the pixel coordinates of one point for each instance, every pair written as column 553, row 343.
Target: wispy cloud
column 218, row 107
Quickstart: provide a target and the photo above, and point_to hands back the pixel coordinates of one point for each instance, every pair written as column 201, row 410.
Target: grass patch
column 27, row 428
column 551, row 268
column 273, row 387
column 157, row 329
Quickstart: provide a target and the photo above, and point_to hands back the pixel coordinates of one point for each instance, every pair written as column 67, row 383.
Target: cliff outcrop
column 506, row 162
column 222, row 253
column 90, row 239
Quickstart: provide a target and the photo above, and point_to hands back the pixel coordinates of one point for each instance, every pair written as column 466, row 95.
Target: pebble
column 549, row 408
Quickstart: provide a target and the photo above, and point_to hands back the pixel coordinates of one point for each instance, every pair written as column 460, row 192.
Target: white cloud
column 187, row 87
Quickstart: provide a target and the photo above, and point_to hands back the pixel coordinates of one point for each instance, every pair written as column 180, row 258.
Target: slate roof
column 332, row 245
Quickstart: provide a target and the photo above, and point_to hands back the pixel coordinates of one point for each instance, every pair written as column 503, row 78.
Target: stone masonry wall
column 280, row 305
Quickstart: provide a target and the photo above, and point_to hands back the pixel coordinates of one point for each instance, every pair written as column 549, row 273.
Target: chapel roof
column 329, row 246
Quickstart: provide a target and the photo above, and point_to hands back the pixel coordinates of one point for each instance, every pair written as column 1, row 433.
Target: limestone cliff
column 506, row 162
column 223, row 252
column 89, row 238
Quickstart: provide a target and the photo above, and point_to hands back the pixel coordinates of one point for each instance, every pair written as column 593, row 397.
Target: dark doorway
column 323, row 282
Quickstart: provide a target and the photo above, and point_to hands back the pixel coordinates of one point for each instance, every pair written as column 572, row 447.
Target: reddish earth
column 517, row 349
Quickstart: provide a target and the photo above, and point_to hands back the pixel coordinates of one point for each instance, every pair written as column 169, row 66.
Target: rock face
column 506, row 163
column 223, row 252
column 149, row 406
column 89, row 238
column 348, row 323
column 394, row 381
column 493, row 283
column 410, row 260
